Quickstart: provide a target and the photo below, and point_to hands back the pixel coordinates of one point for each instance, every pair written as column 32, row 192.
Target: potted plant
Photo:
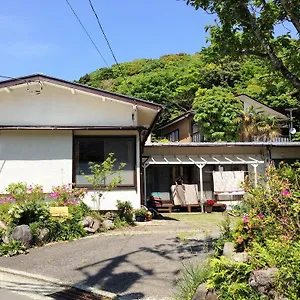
column 209, row 205
column 140, row 214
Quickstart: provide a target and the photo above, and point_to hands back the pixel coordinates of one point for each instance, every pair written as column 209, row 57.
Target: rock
column 110, row 216
column 95, row 226
column 108, row 224
column 88, row 220
column 241, row 257
column 84, row 223
column 202, row 293
column 44, row 235
column 2, row 225
column 263, row 280
column 23, row 234
column 228, row 249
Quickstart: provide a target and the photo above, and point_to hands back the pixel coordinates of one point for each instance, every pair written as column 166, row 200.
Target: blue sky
column 45, row 37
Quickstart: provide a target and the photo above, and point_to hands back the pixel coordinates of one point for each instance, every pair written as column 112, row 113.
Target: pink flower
column 245, row 219
column 261, row 215
column 285, row 192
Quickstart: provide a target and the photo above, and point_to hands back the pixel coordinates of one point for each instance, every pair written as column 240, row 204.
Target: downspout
column 141, row 148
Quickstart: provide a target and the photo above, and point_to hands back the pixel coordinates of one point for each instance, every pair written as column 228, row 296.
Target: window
column 97, row 148
column 173, row 136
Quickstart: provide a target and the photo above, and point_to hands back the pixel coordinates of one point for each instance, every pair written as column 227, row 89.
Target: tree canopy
column 182, row 82
column 249, row 27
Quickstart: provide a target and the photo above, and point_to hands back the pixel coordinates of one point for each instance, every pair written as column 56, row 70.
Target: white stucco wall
column 35, row 157
column 109, row 200
column 58, row 106
column 45, row 157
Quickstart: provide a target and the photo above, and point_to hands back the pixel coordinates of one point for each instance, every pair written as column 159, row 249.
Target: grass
column 199, row 220
column 189, row 279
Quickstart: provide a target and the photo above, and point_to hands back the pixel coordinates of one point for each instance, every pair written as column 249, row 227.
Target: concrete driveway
column 139, row 263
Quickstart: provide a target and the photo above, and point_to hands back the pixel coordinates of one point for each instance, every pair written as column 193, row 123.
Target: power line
column 101, row 27
column 87, row 33
column 108, row 43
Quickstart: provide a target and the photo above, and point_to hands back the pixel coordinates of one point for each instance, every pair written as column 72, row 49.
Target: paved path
column 137, row 264
column 16, row 287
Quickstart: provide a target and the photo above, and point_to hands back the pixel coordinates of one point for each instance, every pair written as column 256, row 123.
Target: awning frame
column 200, row 162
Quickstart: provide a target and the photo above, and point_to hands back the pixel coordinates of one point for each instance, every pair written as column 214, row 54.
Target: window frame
column 168, row 135
column 118, row 187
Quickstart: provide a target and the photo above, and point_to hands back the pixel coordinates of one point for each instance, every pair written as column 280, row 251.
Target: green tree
column 254, row 125
column 216, row 109
column 248, row 27
column 104, row 178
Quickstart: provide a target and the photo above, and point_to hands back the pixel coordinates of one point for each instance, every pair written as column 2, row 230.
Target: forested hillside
column 182, row 82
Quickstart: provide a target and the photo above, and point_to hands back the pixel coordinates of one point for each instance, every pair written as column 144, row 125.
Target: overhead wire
column 107, row 41
column 85, row 30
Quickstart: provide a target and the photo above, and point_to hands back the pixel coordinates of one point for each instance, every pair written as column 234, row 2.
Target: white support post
column 255, row 173
column 201, row 166
column 145, row 184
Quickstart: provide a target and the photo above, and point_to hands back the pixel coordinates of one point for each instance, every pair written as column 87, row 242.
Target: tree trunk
column 287, row 8
column 276, row 61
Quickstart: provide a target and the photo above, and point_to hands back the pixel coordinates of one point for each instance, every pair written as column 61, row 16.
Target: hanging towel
column 228, row 181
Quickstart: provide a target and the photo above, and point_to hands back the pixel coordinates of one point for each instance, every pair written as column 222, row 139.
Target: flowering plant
column 209, row 202
column 67, row 195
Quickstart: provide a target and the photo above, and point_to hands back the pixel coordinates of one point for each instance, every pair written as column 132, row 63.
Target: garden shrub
column 270, row 231
column 21, row 192
column 5, row 205
column 285, row 255
column 65, row 228
column 230, row 279
column 12, row 248
column 67, row 195
column 28, row 212
column 125, row 212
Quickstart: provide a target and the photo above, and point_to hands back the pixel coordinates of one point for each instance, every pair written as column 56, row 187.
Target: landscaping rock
column 95, row 226
column 84, row 223
column 108, row 224
column 263, row 280
column 110, row 216
column 202, row 293
column 23, row 234
column 43, row 236
column 241, row 257
column 2, row 225
column 228, row 249
column 89, row 221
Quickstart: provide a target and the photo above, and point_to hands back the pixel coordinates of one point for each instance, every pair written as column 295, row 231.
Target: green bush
column 125, row 212
column 285, row 255
column 64, row 228
column 141, row 212
column 230, row 279
column 12, row 248
column 28, row 212
column 21, row 192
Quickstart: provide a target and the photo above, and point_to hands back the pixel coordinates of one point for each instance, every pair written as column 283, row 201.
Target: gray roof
column 225, row 144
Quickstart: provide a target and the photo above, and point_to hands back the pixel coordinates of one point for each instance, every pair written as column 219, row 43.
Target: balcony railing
column 279, row 139
column 197, row 138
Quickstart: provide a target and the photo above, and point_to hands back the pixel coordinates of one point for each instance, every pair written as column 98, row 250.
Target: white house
column 50, row 129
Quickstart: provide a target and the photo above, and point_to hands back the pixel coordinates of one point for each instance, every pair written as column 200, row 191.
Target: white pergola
column 200, row 161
